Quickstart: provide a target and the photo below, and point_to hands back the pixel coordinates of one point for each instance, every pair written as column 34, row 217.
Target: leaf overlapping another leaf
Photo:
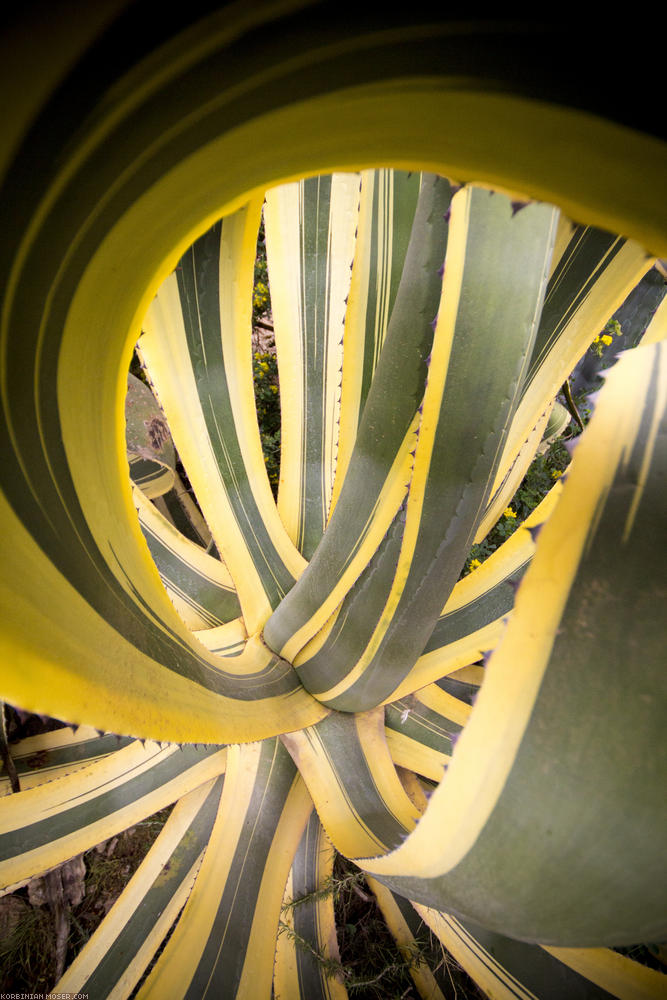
column 126, row 176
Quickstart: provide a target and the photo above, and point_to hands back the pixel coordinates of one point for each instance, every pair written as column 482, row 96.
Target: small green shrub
column 267, row 400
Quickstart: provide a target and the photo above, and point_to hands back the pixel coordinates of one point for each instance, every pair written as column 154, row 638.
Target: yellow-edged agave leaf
column 617, row 974
column 389, row 614
column 542, row 742
column 506, row 487
column 514, row 970
column 594, row 274
column 94, row 637
column 421, row 730
column 44, row 826
column 150, row 450
column 310, row 243
column 200, row 587
column 404, row 925
column 42, row 758
column 388, row 199
column 114, row 158
column 307, row 957
column 113, row 960
column 475, row 616
column 346, row 765
column 231, row 640
column 225, row 939
column 196, row 345
column 122, row 667
column 379, row 469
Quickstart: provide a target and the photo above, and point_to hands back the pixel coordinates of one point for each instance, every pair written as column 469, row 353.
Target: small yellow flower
column 556, row 473
column 263, row 365
column 508, row 512
column 256, row 356
column 260, row 374
column 474, row 563
column 606, row 339
column 274, row 389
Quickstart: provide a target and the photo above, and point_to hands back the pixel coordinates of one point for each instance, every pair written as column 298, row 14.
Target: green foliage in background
column 267, row 399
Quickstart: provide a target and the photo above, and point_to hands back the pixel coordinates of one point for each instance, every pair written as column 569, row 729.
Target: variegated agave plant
column 308, row 688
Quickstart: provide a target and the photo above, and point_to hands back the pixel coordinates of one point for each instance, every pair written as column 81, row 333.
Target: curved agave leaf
column 480, row 605
column 387, row 205
column 382, row 636
column 226, row 936
column 593, row 277
column 345, row 763
column 572, row 607
column 404, row 924
column 421, row 730
column 44, row 826
column 196, row 344
column 376, row 480
column 590, row 278
column 199, row 586
column 133, row 153
column 114, row 958
column 310, row 241
column 558, row 420
column 506, row 968
column 52, row 755
column 307, row 956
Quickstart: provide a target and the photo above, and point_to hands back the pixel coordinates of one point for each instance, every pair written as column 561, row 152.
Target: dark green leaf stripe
column 41, row 756
column 493, row 604
column 198, row 285
column 521, row 969
column 367, row 597
column 588, row 254
column 418, row 722
column 388, row 200
column 212, row 602
column 396, row 392
column 150, row 477
column 395, row 195
column 152, row 902
column 177, row 514
column 350, row 775
column 339, row 738
column 462, row 690
column 595, row 863
column 222, row 645
column 314, row 223
column 507, row 255
column 225, row 902
column 310, row 915
column 310, row 227
column 465, row 620
column 115, row 791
